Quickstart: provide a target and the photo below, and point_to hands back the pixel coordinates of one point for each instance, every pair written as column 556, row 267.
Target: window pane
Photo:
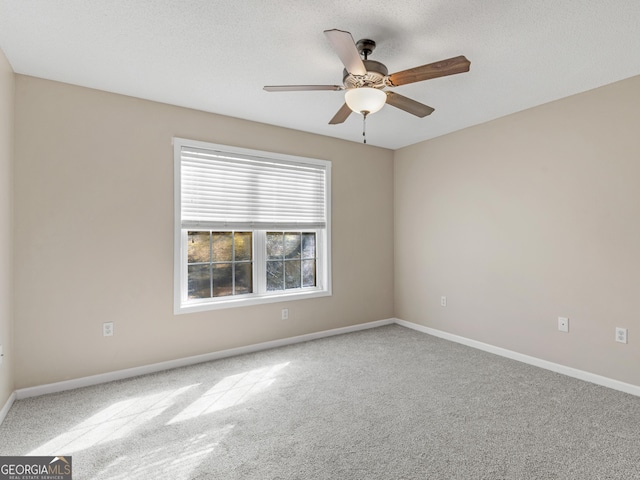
column 308, row 273
column 244, row 278
column 222, row 279
column 274, row 245
column 222, row 246
column 275, row 275
column 199, row 281
column 198, row 247
column 292, row 245
column 308, row 245
column 292, row 274
column 243, row 249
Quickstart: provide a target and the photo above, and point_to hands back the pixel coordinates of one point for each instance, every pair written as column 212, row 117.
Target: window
column 250, row 227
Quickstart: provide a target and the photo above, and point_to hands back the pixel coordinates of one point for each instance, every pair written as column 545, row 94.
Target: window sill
column 231, row 302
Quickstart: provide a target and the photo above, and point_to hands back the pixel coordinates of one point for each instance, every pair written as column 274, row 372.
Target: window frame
column 323, row 242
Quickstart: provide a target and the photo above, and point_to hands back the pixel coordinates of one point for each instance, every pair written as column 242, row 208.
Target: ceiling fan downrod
column 365, row 47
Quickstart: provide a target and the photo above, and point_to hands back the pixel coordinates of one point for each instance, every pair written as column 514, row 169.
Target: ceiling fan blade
column 300, row 88
column 341, row 116
column 343, row 44
column 411, row 106
column 450, row 66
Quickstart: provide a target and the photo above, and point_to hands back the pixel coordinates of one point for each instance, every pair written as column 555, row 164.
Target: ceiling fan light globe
column 365, row 99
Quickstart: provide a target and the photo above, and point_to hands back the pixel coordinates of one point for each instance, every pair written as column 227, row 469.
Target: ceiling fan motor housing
column 376, row 73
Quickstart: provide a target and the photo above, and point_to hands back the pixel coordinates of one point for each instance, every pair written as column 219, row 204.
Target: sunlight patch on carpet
column 114, row 422
column 173, row 460
column 230, row 391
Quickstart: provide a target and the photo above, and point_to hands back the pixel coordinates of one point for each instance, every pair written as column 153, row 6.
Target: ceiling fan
column 365, row 80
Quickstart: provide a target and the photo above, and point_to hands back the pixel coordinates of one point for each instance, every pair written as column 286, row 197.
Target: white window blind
column 222, row 190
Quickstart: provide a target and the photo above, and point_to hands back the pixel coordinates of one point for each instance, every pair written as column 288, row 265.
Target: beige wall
column 6, row 210
column 517, row 221
column 94, row 234
column 524, row 219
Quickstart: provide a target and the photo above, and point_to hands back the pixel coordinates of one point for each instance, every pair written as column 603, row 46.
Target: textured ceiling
column 215, row 55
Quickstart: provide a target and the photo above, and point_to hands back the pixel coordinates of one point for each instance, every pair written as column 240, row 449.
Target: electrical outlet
column 285, row 314
column 443, row 301
column 621, row 335
column 107, row 329
column 563, row 324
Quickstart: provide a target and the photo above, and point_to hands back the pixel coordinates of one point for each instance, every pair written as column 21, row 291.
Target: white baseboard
column 503, row 352
column 183, row 362
column 7, row 407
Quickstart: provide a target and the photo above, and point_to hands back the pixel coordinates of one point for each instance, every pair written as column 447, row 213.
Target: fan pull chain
column 364, row 126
